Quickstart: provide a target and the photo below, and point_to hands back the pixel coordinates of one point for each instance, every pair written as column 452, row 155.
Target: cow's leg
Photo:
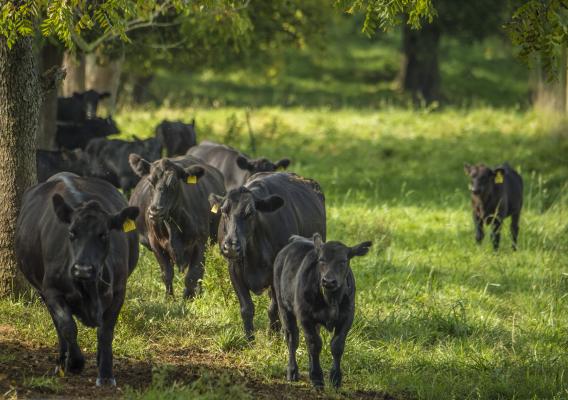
column 73, row 360
column 478, row 223
column 105, row 335
column 194, row 273
column 313, row 340
column 292, row 339
column 515, row 228
column 167, row 270
column 273, row 312
column 245, row 301
column 496, row 233
column 337, row 347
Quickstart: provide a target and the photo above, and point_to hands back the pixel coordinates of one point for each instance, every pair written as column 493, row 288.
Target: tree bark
column 550, row 95
column 75, row 79
column 104, row 76
column 51, row 56
column 420, row 73
column 20, row 101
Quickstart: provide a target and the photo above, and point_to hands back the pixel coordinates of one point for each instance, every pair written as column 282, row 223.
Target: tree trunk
column 51, row 56
column 104, row 77
column 19, row 115
column 75, row 79
column 420, row 73
column 550, row 95
column 141, row 89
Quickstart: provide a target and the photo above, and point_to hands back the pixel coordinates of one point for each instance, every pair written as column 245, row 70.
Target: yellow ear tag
column 280, row 169
column 215, row 208
column 192, row 179
column 499, row 178
column 128, row 225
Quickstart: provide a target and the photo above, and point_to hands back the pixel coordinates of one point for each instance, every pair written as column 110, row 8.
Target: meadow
column 437, row 316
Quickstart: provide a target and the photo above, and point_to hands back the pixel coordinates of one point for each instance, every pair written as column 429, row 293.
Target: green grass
column 437, row 316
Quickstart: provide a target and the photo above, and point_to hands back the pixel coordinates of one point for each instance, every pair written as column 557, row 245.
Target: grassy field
column 437, row 316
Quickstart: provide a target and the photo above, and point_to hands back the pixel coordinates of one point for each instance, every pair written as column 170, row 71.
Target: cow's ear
column 269, row 203
column 282, row 164
column 140, row 166
column 360, row 250
column 104, row 95
column 318, row 242
column 61, row 208
column 245, row 164
column 191, row 174
column 215, row 201
column 467, row 169
column 124, row 220
column 192, row 122
column 499, row 175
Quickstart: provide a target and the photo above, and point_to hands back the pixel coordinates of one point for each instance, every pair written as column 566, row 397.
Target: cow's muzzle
column 80, row 271
column 330, row 284
column 157, row 213
column 231, row 249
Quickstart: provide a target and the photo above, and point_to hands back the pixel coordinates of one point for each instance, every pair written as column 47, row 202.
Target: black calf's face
column 88, row 234
column 90, row 100
column 483, row 178
column 238, row 210
column 262, row 165
column 333, row 261
column 166, row 180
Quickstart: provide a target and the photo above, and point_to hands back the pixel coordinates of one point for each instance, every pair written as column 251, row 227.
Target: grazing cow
column 495, row 195
column 176, row 137
column 257, row 220
column 315, row 287
column 76, row 136
column 74, row 245
column 235, row 166
column 49, row 163
column 175, row 221
column 80, row 106
column 108, row 159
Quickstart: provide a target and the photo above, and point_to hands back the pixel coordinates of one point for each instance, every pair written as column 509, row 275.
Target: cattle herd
column 77, row 235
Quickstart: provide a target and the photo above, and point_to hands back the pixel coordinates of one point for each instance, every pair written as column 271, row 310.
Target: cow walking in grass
column 256, row 221
column 495, row 195
column 315, row 287
column 76, row 245
column 175, row 221
column 235, row 166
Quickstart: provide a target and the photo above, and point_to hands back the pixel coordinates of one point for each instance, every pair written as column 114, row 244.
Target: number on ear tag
column 192, row 179
column 215, row 208
column 499, row 178
column 128, row 225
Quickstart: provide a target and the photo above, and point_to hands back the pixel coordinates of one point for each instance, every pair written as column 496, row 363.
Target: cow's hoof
column 74, row 365
column 318, row 385
column 335, row 378
column 292, row 375
column 59, row 371
column 250, row 337
column 106, row 382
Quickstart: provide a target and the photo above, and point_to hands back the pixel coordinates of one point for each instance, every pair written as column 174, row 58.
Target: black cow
column 175, row 221
column 76, row 136
column 495, row 195
column 49, row 163
column 257, row 220
column 235, row 166
column 72, row 246
column 176, row 137
column 315, row 286
column 108, row 159
column 80, row 106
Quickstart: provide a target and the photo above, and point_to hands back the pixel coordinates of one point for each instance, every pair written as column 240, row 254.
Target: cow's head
column 333, row 261
column 261, row 164
column 483, row 179
column 90, row 100
column 166, row 179
column 89, row 226
column 238, row 211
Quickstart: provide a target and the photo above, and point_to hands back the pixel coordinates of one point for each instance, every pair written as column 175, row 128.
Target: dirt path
column 21, row 361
